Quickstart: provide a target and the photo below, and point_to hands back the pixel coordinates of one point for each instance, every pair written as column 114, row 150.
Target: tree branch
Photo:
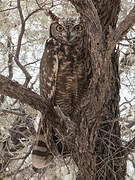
column 23, row 21
column 121, row 30
column 125, row 26
column 27, row 75
column 130, row 146
column 14, row 90
column 12, row 112
column 8, row 9
column 29, row 15
column 10, row 58
column 19, row 168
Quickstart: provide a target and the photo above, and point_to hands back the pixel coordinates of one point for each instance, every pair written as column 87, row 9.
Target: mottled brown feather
column 63, row 82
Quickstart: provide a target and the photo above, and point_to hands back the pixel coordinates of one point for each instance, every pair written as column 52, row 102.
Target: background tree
column 96, row 144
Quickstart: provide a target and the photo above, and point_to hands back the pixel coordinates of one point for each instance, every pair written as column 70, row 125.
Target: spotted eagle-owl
column 62, row 78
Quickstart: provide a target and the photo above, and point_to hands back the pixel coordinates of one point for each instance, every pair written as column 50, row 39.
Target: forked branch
column 27, row 75
column 15, row 90
column 125, row 26
column 121, row 31
column 130, row 146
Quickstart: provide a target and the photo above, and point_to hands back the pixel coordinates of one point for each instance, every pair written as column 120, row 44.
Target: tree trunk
column 111, row 164
column 98, row 146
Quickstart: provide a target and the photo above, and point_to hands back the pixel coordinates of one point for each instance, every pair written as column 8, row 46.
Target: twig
column 32, row 84
column 10, row 59
column 25, row 157
column 130, row 146
column 47, row 12
column 130, row 124
column 127, row 101
column 13, row 112
column 31, row 63
column 29, row 15
column 8, row 9
column 128, row 39
column 3, row 69
column 12, row 173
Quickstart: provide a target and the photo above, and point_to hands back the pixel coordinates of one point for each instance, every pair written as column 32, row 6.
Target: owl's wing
column 49, row 69
column 41, row 155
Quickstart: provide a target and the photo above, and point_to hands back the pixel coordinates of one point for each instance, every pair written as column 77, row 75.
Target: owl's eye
column 78, row 27
column 59, row 28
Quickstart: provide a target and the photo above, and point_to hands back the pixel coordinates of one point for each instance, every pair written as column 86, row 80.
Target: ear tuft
column 53, row 17
column 80, row 19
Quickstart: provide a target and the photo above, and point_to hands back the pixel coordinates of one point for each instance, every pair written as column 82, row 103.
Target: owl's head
column 69, row 31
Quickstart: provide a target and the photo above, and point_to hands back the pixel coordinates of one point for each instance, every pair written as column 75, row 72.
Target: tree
column 95, row 144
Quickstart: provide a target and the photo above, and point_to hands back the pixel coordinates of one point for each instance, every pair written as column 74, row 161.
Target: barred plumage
column 62, row 81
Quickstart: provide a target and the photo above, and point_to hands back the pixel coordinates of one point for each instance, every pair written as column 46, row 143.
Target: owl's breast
column 70, row 82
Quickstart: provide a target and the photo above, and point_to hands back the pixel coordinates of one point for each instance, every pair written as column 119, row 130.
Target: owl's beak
column 68, row 36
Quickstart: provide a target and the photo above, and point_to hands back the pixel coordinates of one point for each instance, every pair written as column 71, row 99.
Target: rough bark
column 95, row 144
column 101, row 130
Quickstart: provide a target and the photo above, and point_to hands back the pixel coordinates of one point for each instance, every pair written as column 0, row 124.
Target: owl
column 62, row 81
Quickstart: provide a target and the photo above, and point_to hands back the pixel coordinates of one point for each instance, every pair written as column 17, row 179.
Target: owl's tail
column 47, row 145
column 41, row 155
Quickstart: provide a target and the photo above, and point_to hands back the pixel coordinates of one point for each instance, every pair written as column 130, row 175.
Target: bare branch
column 3, row 69
column 130, row 123
column 20, row 11
column 28, row 77
column 14, row 90
column 13, row 112
column 121, row 30
column 8, row 9
column 23, row 21
column 26, row 156
column 40, row 5
column 130, row 146
column 32, row 63
column 127, row 101
column 125, row 26
column 9, row 174
column 47, row 11
column 32, row 84
column 29, row 15
column 10, row 59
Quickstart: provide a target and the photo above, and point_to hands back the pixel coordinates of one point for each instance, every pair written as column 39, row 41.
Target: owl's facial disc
column 68, row 32
column 69, row 35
